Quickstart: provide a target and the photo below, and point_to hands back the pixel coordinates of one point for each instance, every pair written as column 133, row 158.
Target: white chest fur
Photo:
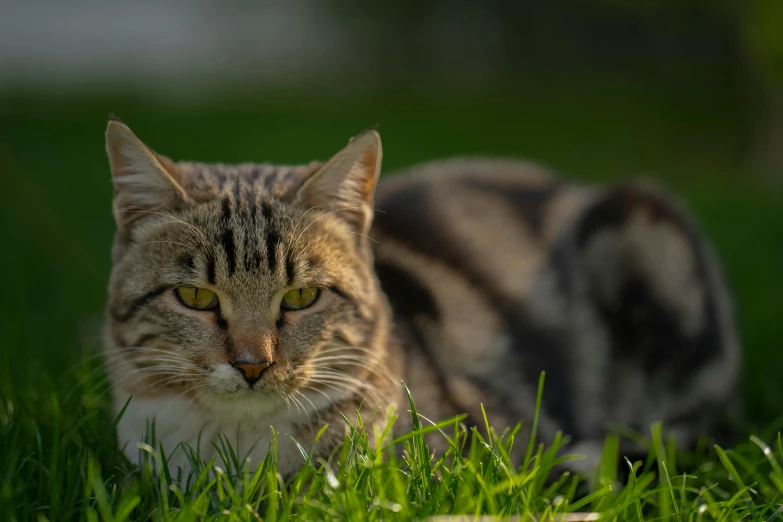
column 179, row 420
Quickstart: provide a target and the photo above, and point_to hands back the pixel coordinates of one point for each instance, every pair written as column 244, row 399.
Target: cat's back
column 487, row 222
column 498, row 270
column 471, row 192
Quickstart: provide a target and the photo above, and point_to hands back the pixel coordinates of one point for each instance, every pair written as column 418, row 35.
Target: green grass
column 59, row 461
column 58, row 452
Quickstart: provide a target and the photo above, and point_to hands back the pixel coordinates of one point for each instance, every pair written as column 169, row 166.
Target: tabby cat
column 254, row 296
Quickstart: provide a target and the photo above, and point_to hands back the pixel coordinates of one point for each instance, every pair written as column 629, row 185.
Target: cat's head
column 247, row 284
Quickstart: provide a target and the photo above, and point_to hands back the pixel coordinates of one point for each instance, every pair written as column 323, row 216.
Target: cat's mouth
column 244, row 379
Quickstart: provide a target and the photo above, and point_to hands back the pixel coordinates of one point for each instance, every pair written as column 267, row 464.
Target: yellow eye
column 197, row 298
column 300, row 298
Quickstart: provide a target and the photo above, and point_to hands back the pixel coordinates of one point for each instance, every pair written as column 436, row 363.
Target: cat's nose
column 251, row 371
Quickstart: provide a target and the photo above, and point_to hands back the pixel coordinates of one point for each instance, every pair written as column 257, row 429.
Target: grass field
column 58, row 454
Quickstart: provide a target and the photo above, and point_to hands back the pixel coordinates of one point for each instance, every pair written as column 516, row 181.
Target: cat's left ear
column 144, row 182
column 345, row 185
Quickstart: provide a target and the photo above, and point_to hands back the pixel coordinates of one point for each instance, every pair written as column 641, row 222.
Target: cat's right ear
column 346, row 183
column 144, row 182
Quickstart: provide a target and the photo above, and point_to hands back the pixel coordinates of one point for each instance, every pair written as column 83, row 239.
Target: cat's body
column 497, row 271
column 494, row 271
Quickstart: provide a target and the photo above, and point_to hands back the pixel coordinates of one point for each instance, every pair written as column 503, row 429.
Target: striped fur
column 497, row 271
column 483, row 274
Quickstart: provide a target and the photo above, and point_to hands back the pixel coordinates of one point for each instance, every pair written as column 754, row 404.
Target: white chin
column 244, row 404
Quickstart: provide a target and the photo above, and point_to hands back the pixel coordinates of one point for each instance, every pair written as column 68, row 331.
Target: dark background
column 690, row 93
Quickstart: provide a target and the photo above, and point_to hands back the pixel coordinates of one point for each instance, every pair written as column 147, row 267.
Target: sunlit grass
column 59, row 460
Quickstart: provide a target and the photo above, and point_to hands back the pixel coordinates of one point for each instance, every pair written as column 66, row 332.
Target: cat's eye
column 197, row 298
column 300, row 298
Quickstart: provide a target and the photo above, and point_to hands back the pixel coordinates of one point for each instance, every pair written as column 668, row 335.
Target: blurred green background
column 688, row 93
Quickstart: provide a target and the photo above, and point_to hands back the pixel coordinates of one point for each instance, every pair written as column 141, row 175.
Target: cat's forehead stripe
column 229, row 248
column 272, row 237
column 211, row 268
column 249, row 233
column 290, row 270
column 225, row 213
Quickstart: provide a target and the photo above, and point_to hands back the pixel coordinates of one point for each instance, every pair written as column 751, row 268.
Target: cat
column 249, row 297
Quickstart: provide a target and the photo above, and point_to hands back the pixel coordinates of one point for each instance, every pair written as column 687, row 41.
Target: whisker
column 321, row 217
column 190, row 247
column 136, row 351
column 192, row 400
column 183, row 378
column 370, row 369
column 353, row 384
column 141, row 377
column 174, row 218
column 315, row 411
column 333, row 386
column 303, row 216
column 141, row 359
column 136, row 376
column 334, row 376
column 150, row 365
column 319, row 391
column 348, row 357
column 372, row 365
column 171, row 402
column 365, row 392
column 299, row 406
column 300, row 252
column 344, row 348
column 83, row 361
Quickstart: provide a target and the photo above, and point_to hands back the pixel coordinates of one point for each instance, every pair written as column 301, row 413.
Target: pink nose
column 251, row 371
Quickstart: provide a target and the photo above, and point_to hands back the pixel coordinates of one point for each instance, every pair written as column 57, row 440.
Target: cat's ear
column 346, row 183
column 144, row 182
